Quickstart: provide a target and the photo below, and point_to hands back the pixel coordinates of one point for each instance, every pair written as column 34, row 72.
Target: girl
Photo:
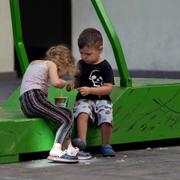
column 57, row 62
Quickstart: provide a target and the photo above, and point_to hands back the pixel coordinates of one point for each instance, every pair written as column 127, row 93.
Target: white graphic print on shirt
column 96, row 78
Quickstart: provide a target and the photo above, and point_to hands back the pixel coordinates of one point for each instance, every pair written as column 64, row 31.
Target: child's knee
column 105, row 124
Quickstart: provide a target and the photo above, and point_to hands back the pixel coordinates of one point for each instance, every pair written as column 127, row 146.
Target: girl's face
column 91, row 55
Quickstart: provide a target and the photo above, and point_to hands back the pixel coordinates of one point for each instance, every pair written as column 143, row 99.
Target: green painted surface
column 17, row 34
column 115, row 42
column 145, row 114
column 149, row 110
column 19, row 134
column 10, row 158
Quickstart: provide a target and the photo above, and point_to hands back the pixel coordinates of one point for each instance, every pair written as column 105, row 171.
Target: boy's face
column 91, row 55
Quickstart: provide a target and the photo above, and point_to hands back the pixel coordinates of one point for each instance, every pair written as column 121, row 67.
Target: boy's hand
column 84, row 90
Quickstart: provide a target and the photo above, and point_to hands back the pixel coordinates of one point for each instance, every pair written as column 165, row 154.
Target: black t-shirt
column 95, row 75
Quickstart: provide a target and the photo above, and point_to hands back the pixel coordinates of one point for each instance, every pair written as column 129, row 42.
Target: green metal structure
column 115, row 43
column 18, row 37
column 143, row 109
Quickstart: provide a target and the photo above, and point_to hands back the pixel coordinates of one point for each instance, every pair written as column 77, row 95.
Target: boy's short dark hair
column 90, row 37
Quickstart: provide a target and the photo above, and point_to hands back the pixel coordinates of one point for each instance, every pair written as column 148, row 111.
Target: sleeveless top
column 35, row 77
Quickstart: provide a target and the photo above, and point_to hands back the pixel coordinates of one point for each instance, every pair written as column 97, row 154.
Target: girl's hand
column 63, row 83
column 70, row 86
column 84, row 90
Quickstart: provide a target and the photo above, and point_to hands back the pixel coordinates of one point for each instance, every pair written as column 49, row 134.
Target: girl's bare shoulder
column 51, row 65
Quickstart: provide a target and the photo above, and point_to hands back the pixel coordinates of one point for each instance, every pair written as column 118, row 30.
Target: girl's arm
column 72, row 85
column 75, row 82
column 53, row 75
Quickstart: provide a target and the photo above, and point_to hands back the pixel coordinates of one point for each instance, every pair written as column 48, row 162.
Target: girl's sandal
column 64, row 157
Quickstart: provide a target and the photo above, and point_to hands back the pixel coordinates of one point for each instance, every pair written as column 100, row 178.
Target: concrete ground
column 7, row 87
column 147, row 163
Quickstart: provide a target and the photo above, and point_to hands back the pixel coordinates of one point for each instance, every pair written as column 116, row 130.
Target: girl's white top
column 35, row 77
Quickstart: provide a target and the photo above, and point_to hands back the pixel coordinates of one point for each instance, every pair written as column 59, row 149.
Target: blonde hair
column 63, row 58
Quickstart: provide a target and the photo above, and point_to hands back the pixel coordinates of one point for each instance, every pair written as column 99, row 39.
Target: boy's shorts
column 99, row 111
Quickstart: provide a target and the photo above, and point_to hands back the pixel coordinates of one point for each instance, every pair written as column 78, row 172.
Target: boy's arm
column 100, row 91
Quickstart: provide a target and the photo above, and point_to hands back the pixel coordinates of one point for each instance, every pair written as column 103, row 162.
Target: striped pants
column 34, row 103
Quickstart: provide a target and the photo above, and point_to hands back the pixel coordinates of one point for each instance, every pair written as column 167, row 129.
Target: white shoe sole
column 84, row 158
column 58, row 159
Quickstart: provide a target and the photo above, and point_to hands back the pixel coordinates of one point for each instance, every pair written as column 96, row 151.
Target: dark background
column 44, row 23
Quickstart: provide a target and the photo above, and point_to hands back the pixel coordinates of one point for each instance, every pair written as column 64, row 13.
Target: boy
column 94, row 83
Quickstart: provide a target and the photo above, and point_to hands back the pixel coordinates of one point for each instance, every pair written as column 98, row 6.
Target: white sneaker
column 64, row 157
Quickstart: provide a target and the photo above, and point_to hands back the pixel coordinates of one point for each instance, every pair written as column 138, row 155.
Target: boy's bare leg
column 106, row 131
column 106, row 148
column 82, row 124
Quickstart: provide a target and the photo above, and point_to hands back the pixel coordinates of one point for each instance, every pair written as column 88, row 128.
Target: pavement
column 7, row 87
column 160, row 162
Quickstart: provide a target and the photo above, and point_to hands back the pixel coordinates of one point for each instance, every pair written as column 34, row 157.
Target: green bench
column 21, row 135
column 147, row 111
